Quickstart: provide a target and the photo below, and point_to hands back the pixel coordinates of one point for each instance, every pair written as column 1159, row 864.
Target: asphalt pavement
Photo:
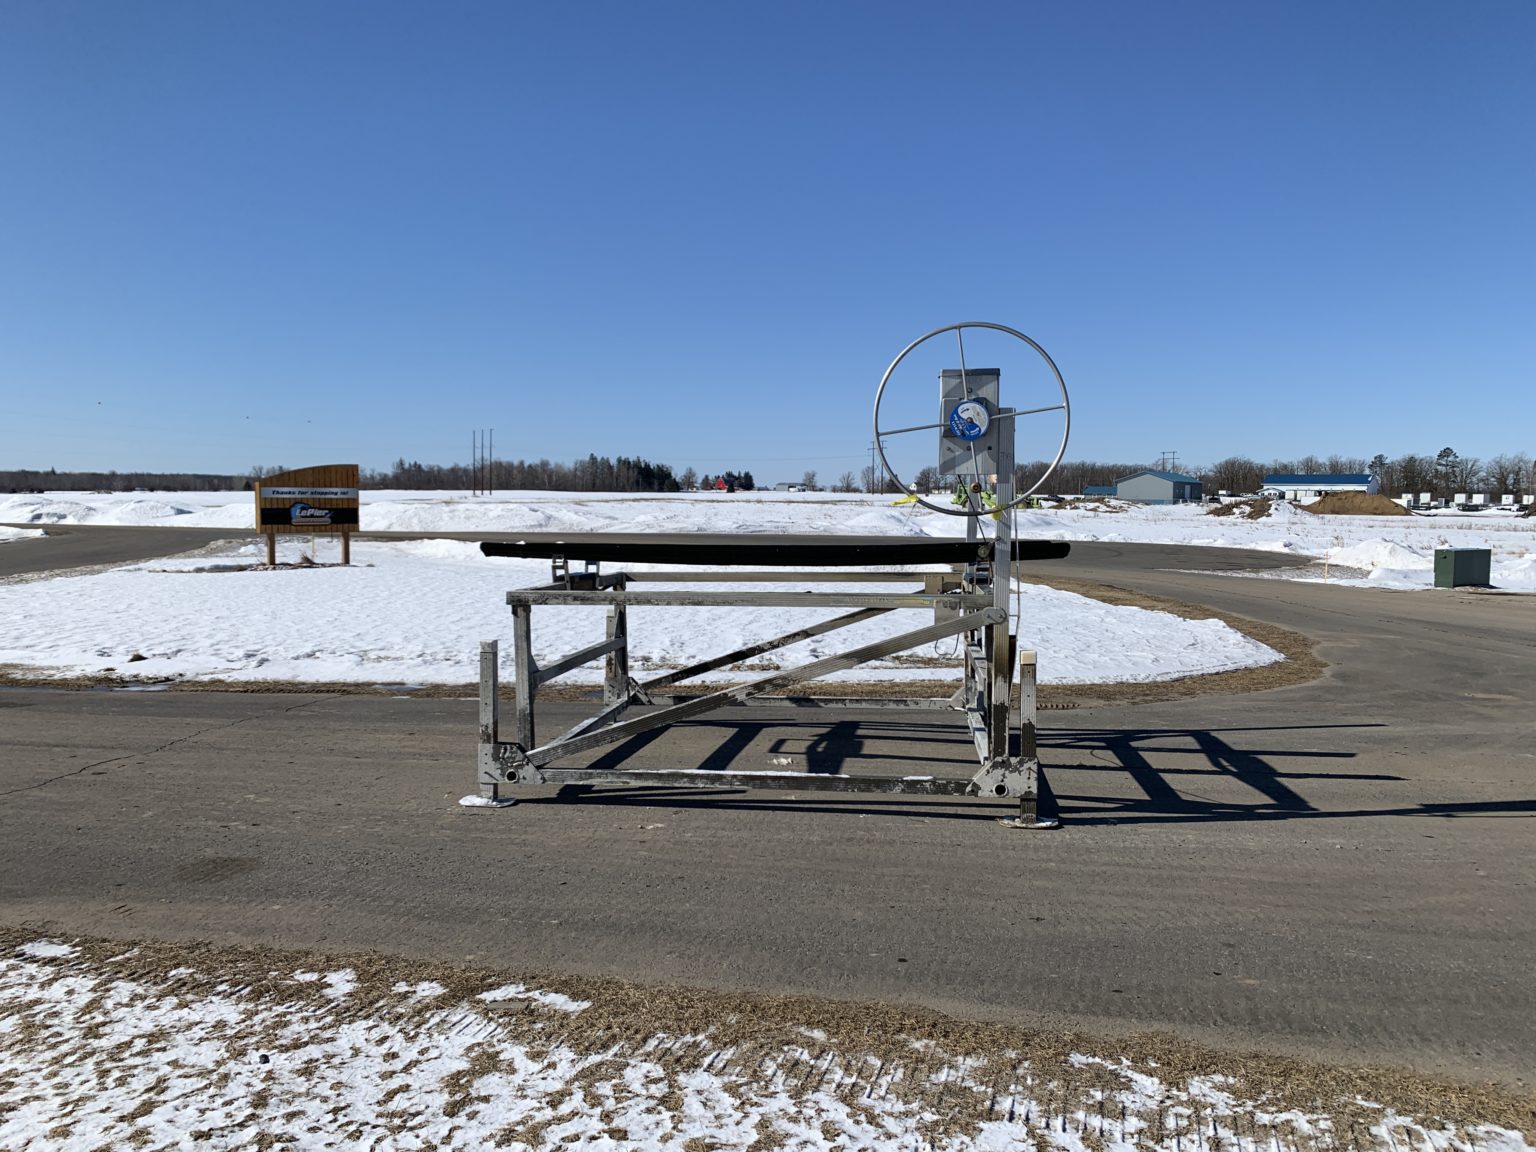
column 1338, row 870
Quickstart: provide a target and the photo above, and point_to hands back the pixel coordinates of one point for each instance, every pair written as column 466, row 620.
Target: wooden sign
column 309, row 501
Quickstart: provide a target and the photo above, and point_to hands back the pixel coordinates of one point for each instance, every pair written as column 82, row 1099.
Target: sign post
column 309, row 501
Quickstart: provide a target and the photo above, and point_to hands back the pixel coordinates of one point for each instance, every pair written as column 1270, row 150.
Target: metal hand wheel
column 973, row 508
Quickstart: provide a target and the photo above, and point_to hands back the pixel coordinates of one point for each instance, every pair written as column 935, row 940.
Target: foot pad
column 486, row 802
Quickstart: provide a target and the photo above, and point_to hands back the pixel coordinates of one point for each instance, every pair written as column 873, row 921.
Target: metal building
column 1153, row 487
column 1305, row 488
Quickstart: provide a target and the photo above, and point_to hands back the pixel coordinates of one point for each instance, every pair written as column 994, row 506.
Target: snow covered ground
column 1386, row 564
column 100, row 1050
column 414, row 612
column 8, row 534
column 1362, row 540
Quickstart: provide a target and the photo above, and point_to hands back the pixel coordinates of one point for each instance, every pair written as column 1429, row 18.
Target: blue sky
column 297, row 233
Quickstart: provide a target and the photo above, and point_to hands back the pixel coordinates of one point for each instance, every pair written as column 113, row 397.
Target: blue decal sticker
column 969, row 420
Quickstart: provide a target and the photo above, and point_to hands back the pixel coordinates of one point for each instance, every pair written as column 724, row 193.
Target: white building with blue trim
column 1305, row 488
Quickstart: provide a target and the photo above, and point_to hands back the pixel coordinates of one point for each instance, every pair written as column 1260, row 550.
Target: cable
column 965, row 392
column 1018, row 587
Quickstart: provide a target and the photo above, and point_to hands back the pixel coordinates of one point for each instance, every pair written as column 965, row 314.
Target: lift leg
column 487, row 772
column 1029, row 754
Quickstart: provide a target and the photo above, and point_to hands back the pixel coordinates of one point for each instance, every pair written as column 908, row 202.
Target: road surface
column 1338, row 870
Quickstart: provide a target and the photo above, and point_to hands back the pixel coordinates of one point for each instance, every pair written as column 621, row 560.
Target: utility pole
column 482, row 460
column 876, row 473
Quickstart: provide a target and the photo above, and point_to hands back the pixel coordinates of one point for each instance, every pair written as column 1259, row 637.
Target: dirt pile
column 1356, row 504
column 1255, row 509
column 1090, row 504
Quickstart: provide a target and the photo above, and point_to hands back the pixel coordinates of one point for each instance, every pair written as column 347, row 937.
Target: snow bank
column 1373, row 554
column 1517, row 575
column 414, row 612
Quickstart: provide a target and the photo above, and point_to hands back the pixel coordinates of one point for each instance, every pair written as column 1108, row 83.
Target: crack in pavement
column 152, row 751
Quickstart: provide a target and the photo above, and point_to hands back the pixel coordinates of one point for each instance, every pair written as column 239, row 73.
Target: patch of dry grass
column 1090, row 504
column 809, row 1043
column 1255, row 509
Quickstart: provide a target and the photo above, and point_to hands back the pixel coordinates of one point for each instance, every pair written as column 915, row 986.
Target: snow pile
column 1389, row 565
column 32, row 510
column 142, row 511
column 1284, row 512
column 195, row 509
column 9, row 534
column 1518, row 575
column 1374, row 554
column 414, row 612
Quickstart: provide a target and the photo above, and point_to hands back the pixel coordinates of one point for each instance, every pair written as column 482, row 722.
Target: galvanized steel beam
column 747, row 653
column 753, row 599
column 795, row 781
column 698, row 706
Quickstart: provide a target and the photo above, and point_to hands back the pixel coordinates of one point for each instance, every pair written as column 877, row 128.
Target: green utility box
column 1460, row 567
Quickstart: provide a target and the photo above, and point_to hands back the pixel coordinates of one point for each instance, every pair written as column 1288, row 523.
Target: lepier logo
column 302, row 513
column 314, row 509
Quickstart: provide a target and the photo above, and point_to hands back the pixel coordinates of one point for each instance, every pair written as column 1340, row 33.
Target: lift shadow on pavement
column 1192, row 775
column 1177, row 775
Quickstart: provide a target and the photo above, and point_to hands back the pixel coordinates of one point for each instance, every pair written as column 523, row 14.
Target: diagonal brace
column 544, row 673
column 747, row 653
column 738, row 692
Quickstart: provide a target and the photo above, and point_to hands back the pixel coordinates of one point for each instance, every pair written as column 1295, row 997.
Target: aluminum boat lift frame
column 969, row 600
column 976, row 444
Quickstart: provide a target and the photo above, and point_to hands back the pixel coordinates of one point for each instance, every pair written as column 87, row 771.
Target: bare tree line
column 1442, row 474
column 594, row 474
column 35, row 480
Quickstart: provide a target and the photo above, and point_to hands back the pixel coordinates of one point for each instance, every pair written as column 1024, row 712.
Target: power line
column 773, row 459
column 482, row 452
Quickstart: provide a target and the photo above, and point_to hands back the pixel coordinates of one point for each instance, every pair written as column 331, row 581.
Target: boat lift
column 969, row 599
